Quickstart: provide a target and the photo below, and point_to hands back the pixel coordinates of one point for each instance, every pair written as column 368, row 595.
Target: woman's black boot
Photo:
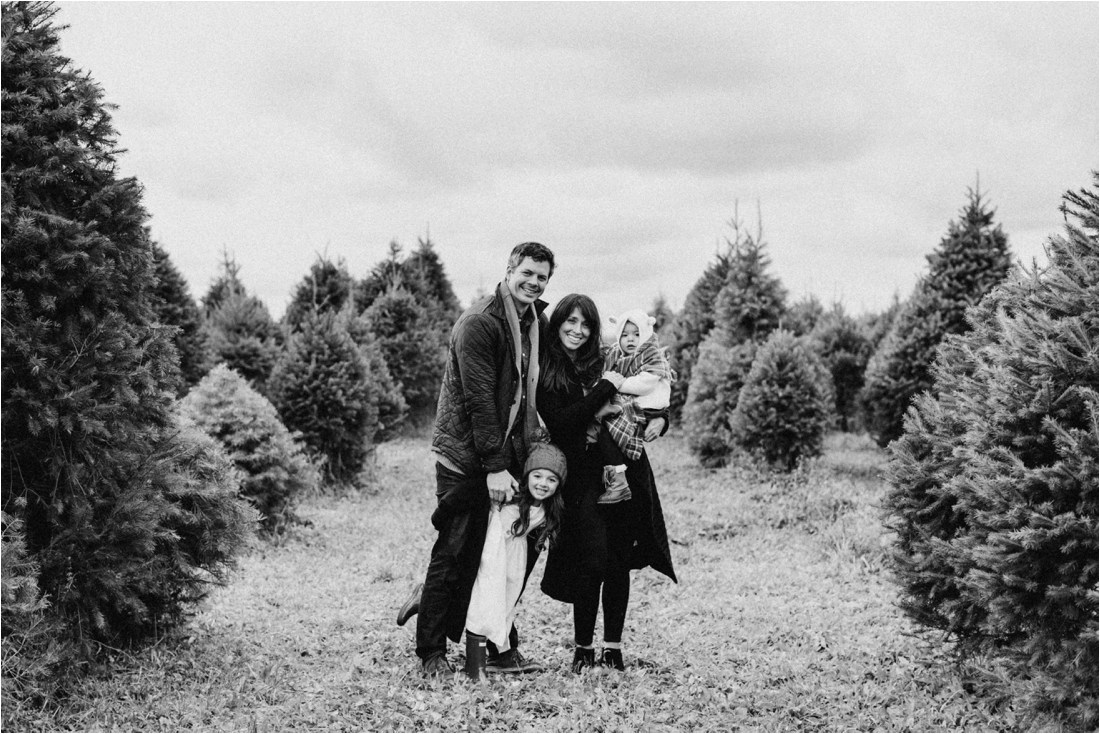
column 612, row 658
column 583, row 657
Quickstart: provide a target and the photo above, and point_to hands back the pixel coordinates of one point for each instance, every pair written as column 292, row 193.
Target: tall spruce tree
column 995, row 480
column 174, row 306
column 424, row 268
column 970, row 260
column 327, row 287
column 127, row 518
column 241, row 334
column 386, row 396
column 414, row 346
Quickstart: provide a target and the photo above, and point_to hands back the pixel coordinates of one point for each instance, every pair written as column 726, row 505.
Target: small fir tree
column 784, row 406
column 386, row 396
column 803, row 315
column 692, row 325
column 275, row 472
column 227, row 283
column 174, row 306
column 995, row 480
column 845, row 350
column 321, row 388
column 123, row 535
column 748, row 308
column 241, row 334
column 971, row 259
column 327, row 287
column 414, row 349
column 433, row 288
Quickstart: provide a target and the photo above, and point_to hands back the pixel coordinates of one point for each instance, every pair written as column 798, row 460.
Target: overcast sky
column 621, row 135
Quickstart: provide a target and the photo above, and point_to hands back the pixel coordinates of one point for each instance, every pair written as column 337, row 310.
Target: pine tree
column 327, row 287
column 801, row 318
column 662, row 312
column 175, row 307
column 321, row 388
column 784, row 407
column 414, row 347
column 435, row 292
column 227, row 283
column 384, row 276
column 275, row 472
column 971, row 259
column 386, row 396
column 845, row 350
column 692, row 325
column 995, row 480
column 241, row 334
column 91, row 456
column 748, row 307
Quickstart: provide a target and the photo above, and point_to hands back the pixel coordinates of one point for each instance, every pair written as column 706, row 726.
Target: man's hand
column 653, row 430
column 614, row 378
column 501, row 487
column 608, row 408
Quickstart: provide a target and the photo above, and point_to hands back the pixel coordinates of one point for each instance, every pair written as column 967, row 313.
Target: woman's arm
column 563, row 415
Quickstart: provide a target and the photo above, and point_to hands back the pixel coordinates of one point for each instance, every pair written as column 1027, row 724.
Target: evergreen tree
column 748, row 307
column 424, row 268
column 784, row 406
column 845, row 350
column 971, row 259
column 386, row 396
column 321, row 388
column 691, row 325
column 241, row 334
column 174, row 306
column 124, row 531
column 327, row 287
column 414, row 348
column 803, row 315
column 664, row 315
column 275, row 472
column 384, row 276
column 227, row 283
column 995, row 480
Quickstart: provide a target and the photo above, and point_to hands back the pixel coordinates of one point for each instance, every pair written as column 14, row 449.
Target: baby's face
column 628, row 342
column 542, row 484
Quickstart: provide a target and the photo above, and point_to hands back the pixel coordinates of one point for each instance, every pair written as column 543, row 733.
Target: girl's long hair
column 553, row 506
column 558, row 370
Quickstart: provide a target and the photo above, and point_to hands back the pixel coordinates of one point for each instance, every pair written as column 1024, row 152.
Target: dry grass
column 783, row 620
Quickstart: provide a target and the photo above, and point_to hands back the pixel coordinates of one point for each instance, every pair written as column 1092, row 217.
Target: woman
column 599, row 543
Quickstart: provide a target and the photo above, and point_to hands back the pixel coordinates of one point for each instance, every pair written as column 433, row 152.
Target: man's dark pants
column 462, row 517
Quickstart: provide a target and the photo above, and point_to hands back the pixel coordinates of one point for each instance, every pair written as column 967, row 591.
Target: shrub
column 274, row 470
column 971, row 259
column 321, row 388
column 995, row 480
column 784, row 407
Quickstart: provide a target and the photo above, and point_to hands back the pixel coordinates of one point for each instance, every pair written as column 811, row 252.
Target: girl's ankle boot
column 583, row 657
column 612, row 658
column 475, row 655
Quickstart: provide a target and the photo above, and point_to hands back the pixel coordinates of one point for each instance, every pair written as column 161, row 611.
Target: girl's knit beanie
column 545, row 456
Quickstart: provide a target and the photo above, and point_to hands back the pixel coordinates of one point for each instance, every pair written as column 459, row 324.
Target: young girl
column 500, row 577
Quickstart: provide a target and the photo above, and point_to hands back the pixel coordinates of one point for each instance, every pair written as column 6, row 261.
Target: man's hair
column 538, row 252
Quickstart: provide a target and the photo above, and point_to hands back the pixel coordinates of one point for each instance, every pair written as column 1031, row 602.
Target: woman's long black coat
column 581, row 549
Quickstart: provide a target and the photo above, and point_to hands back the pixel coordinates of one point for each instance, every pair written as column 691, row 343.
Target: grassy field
column 783, row 620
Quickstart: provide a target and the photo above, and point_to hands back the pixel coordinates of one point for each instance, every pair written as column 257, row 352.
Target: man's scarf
column 531, row 418
column 648, row 357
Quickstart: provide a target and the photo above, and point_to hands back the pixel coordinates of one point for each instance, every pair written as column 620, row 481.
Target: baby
column 643, row 396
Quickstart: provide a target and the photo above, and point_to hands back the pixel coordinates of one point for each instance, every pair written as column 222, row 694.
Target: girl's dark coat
column 582, row 544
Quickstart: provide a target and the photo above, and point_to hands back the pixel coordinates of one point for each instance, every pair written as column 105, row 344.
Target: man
column 484, row 422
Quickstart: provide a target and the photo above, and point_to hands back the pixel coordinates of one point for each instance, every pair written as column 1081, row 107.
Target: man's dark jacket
column 479, row 387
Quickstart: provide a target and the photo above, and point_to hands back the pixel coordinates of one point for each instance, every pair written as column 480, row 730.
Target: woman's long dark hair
column 553, row 506
column 557, row 369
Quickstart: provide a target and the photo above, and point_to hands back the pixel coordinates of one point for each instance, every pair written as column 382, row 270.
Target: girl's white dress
column 500, row 575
